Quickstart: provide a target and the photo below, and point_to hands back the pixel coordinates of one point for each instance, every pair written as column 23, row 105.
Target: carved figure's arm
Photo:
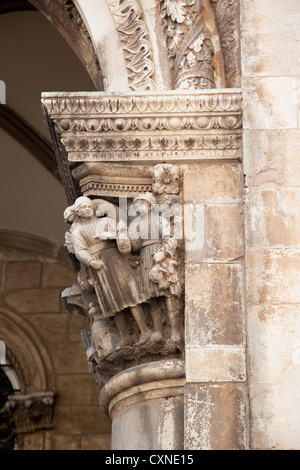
column 83, row 255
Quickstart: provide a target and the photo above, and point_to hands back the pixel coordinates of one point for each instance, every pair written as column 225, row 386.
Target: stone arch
column 64, row 16
column 141, row 44
column 26, row 352
column 125, row 45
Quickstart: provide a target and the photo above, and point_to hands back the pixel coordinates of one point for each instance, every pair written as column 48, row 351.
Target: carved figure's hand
column 96, row 264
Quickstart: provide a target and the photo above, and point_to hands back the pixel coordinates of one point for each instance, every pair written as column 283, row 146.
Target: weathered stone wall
column 270, row 78
column 34, row 272
column 216, row 390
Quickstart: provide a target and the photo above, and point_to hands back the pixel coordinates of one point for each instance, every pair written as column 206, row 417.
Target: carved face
column 85, row 210
column 143, row 207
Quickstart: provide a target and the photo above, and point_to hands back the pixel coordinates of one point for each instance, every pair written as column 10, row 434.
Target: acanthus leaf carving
column 189, row 44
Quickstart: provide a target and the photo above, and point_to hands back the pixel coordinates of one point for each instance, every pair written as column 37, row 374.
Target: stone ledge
column 168, row 370
column 172, row 126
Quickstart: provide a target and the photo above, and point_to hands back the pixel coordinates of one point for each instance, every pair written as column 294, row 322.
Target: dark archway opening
column 7, row 436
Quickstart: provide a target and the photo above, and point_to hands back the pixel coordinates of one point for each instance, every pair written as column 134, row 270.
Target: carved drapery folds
column 127, row 155
column 129, row 278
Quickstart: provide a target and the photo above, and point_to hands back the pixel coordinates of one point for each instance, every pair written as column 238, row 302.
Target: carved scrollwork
column 136, row 46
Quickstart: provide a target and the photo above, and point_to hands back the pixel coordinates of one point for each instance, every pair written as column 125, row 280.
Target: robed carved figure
column 114, row 282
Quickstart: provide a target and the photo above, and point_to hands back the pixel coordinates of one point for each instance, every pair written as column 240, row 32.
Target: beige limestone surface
column 270, row 68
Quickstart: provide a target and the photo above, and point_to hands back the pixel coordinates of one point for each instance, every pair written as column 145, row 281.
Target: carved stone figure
column 157, row 264
column 112, row 278
column 104, row 334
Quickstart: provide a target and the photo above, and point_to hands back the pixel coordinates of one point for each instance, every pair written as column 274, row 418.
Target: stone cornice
column 169, row 126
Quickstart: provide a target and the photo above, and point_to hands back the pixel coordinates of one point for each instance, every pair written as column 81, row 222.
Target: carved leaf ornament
column 176, row 9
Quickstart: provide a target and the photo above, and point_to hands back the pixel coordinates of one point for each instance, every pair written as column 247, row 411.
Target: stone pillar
column 271, row 67
column 215, row 339
column 183, row 147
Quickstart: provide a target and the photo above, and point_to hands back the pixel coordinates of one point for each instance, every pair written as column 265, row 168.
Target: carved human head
column 83, row 207
column 144, row 201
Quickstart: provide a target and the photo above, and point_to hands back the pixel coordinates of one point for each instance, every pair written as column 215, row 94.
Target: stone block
column 81, row 420
column 273, row 275
column 274, row 355
column 33, row 300
column 223, row 235
column 215, row 364
column 76, row 389
column 267, row 30
column 65, row 442
column 214, row 311
column 272, row 217
column 213, row 183
column 57, row 275
column 274, row 344
column 269, row 103
column 96, row 442
column 68, row 358
column 22, row 275
column 52, row 327
column 271, row 157
column 215, row 417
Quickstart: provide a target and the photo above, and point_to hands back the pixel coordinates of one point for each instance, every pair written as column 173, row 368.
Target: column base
column 146, row 405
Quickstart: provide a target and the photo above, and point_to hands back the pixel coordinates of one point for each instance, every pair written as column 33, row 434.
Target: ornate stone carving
column 134, row 39
column 141, row 127
column 227, row 18
column 129, row 284
column 188, row 42
column 110, row 186
column 91, row 240
column 31, row 413
column 149, row 139
column 166, row 179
